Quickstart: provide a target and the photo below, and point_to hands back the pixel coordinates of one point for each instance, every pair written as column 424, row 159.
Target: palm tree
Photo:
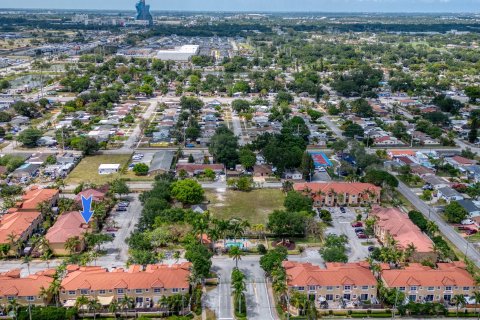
column 432, row 228
column 459, row 299
column 81, row 302
column 44, row 294
column 13, row 305
column 476, row 295
column 409, row 251
column 45, row 208
column 127, row 303
column 54, row 290
column 236, row 254
column 238, row 290
column 113, row 307
column 72, row 244
column 12, row 241
column 27, row 259
column 259, row 229
column 94, row 305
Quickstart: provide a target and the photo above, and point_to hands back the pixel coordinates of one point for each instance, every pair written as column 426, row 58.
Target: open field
column 87, row 170
column 253, row 206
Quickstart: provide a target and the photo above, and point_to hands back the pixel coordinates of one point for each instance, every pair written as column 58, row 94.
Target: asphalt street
column 446, row 229
column 259, row 303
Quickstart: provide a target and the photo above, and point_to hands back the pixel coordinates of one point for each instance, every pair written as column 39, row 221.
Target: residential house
column 392, row 154
column 25, row 291
column 68, row 225
column 193, row 169
column 473, row 172
column 262, row 170
column 161, row 162
column 435, row 182
column 388, row 141
column 421, row 171
column 424, row 284
column 147, row 286
column 449, row 194
column 17, row 227
column 33, row 197
column 347, row 281
column 293, row 175
column 97, row 195
column 391, row 222
column 472, row 209
column 108, row 168
column 340, row 193
column 25, row 172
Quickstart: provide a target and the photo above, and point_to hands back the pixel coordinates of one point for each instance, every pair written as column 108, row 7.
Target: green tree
column 273, row 259
column 29, row 137
column 455, row 213
column 247, row 158
column 236, row 254
column 307, row 166
column 224, row 147
column 141, row 169
column 286, row 224
column 296, row 202
column 119, row 186
column 187, row 191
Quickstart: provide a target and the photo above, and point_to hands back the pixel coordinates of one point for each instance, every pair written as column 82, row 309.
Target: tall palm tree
column 409, row 251
column 27, row 259
column 459, row 300
column 44, row 294
column 13, row 305
column 94, row 305
column 72, row 244
column 127, row 303
column 81, row 302
column 113, row 307
column 238, row 290
column 54, row 290
column 236, row 254
column 432, row 228
column 476, row 295
column 12, row 241
column 45, row 208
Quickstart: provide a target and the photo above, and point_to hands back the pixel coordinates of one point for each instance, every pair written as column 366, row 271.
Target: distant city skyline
column 439, row 6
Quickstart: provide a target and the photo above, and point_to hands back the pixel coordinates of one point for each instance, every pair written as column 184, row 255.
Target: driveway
column 117, row 250
column 342, row 225
column 259, row 304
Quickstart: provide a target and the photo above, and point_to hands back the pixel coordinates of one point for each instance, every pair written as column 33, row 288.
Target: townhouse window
column 347, row 288
column 329, row 288
column 71, row 292
column 147, row 299
column 110, row 291
column 413, row 288
column 431, row 288
column 138, row 290
column 120, row 291
column 412, row 297
column 364, row 287
column 157, row 290
column 338, row 287
column 354, row 287
column 311, row 288
column 466, row 288
column 10, row 298
column 364, row 296
column 448, row 288
column 146, row 290
column 174, row 290
column 329, row 297
column 373, row 287
column 102, row 291
column 337, row 296
column 401, row 288
column 301, row 288
column 83, row 291
column 429, row 297
column 183, row 289
column 30, row 298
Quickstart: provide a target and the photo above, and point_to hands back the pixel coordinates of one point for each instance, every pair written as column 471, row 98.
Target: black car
column 122, row 209
column 342, row 210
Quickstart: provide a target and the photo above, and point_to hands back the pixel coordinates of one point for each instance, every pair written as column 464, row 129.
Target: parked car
column 124, row 204
column 342, row 210
column 371, row 248
column 121, row 209
column 357, row 230
column 362, row 236
column 470, row 232
column 357, row 224
column 112, row 229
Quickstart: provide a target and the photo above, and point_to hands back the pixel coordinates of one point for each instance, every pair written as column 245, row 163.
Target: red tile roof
column 192, row 167
column 96, row 195
column 464, row 161
column 16, row 223
column 447, row 274
column 338, row 187
column 402, row 229
column 23, row 287
column 33, row 197
column 68, row 225
column 154, row 276
column 335, row 274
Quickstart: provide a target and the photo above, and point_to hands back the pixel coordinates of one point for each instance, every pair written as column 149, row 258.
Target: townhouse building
column 424, row 284
column 147, row 286
column 25, row 291
column 347, row 281
column 332, row 194
column 391, row 222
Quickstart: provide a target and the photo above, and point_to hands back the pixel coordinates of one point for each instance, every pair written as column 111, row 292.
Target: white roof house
column 182, row 53
column 106, row 168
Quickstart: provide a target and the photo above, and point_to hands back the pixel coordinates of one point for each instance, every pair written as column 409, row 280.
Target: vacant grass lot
column 253, row 206
column 87, row 170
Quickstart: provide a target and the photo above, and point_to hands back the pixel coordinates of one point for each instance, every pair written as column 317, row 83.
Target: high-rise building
column 143, row 12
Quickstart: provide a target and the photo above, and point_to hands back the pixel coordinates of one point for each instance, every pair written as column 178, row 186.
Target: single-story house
column 449, row 194
column 470, row 207
column 161, row 162
column 435, row 182
column 262, row 170
column 106, row 168
column 293, row 175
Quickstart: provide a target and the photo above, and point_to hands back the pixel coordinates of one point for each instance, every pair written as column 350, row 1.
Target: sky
column 469, row 6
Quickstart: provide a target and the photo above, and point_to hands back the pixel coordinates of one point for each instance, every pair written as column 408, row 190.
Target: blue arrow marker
column 87, row 212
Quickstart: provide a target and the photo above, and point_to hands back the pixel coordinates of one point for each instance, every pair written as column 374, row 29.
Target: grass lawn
column 87, row 169
column 253, row 206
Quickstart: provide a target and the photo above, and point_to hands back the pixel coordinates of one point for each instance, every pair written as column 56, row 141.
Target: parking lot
column 341, row 224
